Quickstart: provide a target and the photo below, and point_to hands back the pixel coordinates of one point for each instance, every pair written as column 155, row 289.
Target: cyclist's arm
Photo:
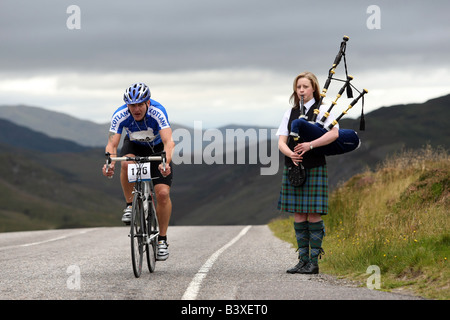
column 111, row 147
column 113, row 143
column 169, row 144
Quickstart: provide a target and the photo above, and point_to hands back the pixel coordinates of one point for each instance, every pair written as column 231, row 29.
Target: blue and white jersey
column 143, row 132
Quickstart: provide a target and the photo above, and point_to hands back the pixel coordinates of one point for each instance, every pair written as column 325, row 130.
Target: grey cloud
column 181, row 35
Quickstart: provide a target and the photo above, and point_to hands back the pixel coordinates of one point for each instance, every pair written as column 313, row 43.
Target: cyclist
column 147, row 132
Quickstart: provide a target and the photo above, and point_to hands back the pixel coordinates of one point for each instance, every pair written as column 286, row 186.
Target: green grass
column 396, row 218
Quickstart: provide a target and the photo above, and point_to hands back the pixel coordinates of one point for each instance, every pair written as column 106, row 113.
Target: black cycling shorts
column 129, row 147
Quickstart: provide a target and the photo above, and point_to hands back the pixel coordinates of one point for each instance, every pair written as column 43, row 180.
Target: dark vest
column 310, row 159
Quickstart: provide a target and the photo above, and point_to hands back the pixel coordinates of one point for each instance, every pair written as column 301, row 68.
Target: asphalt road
column 205, row 263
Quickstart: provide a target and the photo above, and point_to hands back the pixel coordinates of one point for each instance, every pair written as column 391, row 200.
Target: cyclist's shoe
column 163, row 251
column 126, row 218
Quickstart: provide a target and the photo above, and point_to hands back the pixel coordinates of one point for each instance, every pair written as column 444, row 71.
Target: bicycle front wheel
column 137, row 232
column 153, row 232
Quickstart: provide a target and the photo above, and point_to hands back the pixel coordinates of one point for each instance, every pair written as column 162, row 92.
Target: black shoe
column 309, row 268
column 297, row 267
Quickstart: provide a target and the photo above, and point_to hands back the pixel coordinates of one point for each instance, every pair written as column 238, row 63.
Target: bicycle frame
column 147, row 195
column 144, row 228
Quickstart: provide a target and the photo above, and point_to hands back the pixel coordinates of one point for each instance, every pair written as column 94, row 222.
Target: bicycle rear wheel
column 137, row 231
column 152, row 232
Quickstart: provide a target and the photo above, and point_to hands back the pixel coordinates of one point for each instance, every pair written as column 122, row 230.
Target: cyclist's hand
column 161, row 169
column 108, row 171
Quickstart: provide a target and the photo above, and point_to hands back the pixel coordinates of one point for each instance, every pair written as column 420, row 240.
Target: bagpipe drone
column 348, row 139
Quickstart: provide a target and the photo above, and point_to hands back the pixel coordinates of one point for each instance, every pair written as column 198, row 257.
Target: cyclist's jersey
column 143, row 132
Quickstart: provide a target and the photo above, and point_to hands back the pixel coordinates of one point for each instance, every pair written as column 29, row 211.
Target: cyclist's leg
column 163, row 207
column 163, row 212
column 163, row 202
column 128, row 149
column 127, row 189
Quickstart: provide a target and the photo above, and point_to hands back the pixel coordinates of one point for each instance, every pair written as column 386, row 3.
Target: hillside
column 224, row 194
column 65, row 185
column 388, row 131
column 23, row 138
column 396, row 218
column 52, row 190
column 57, row 125
column 391, row 130
column 54, row 183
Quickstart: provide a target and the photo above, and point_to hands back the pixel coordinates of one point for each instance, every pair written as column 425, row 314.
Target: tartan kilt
column 312, row 197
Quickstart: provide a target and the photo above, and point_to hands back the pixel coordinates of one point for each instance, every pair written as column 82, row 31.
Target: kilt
column 312, row 197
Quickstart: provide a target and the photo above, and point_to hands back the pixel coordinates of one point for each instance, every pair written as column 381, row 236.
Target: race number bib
column 139, row 172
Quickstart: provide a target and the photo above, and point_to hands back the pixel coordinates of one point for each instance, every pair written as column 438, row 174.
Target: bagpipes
column 348, row 139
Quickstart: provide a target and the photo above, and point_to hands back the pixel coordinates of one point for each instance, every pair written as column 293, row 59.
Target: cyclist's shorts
column 129, row 147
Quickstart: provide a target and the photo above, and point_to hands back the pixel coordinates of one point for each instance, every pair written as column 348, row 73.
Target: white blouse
column 283, row 128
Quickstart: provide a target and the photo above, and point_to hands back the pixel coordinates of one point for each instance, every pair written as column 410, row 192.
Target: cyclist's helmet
column 137, row 93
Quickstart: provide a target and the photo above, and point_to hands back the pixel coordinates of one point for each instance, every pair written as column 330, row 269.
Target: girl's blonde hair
column 294, row 99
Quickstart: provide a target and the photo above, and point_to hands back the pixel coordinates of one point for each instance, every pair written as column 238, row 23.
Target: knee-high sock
column 316, row 234
column 302, row 235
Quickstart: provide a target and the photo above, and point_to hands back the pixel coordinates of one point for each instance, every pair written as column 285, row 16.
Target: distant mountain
column 22, row 137
column 57, row 125
column 43, row 190
column 399, row 125
column 390, row 130
column 411, row 125
column 54, row 183
column 60, row 125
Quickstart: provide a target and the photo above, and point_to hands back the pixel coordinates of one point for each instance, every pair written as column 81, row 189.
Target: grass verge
column 395, row 218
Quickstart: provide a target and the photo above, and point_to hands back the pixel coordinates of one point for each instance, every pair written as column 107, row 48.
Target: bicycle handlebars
column 160, row 156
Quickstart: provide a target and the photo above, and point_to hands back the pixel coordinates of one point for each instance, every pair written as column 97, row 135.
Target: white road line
column 194, row 287
column 45, row 241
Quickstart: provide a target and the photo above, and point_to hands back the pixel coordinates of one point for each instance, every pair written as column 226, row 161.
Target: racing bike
column 144, row 229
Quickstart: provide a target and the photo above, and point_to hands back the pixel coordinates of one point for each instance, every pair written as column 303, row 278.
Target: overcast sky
column 219, row 62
